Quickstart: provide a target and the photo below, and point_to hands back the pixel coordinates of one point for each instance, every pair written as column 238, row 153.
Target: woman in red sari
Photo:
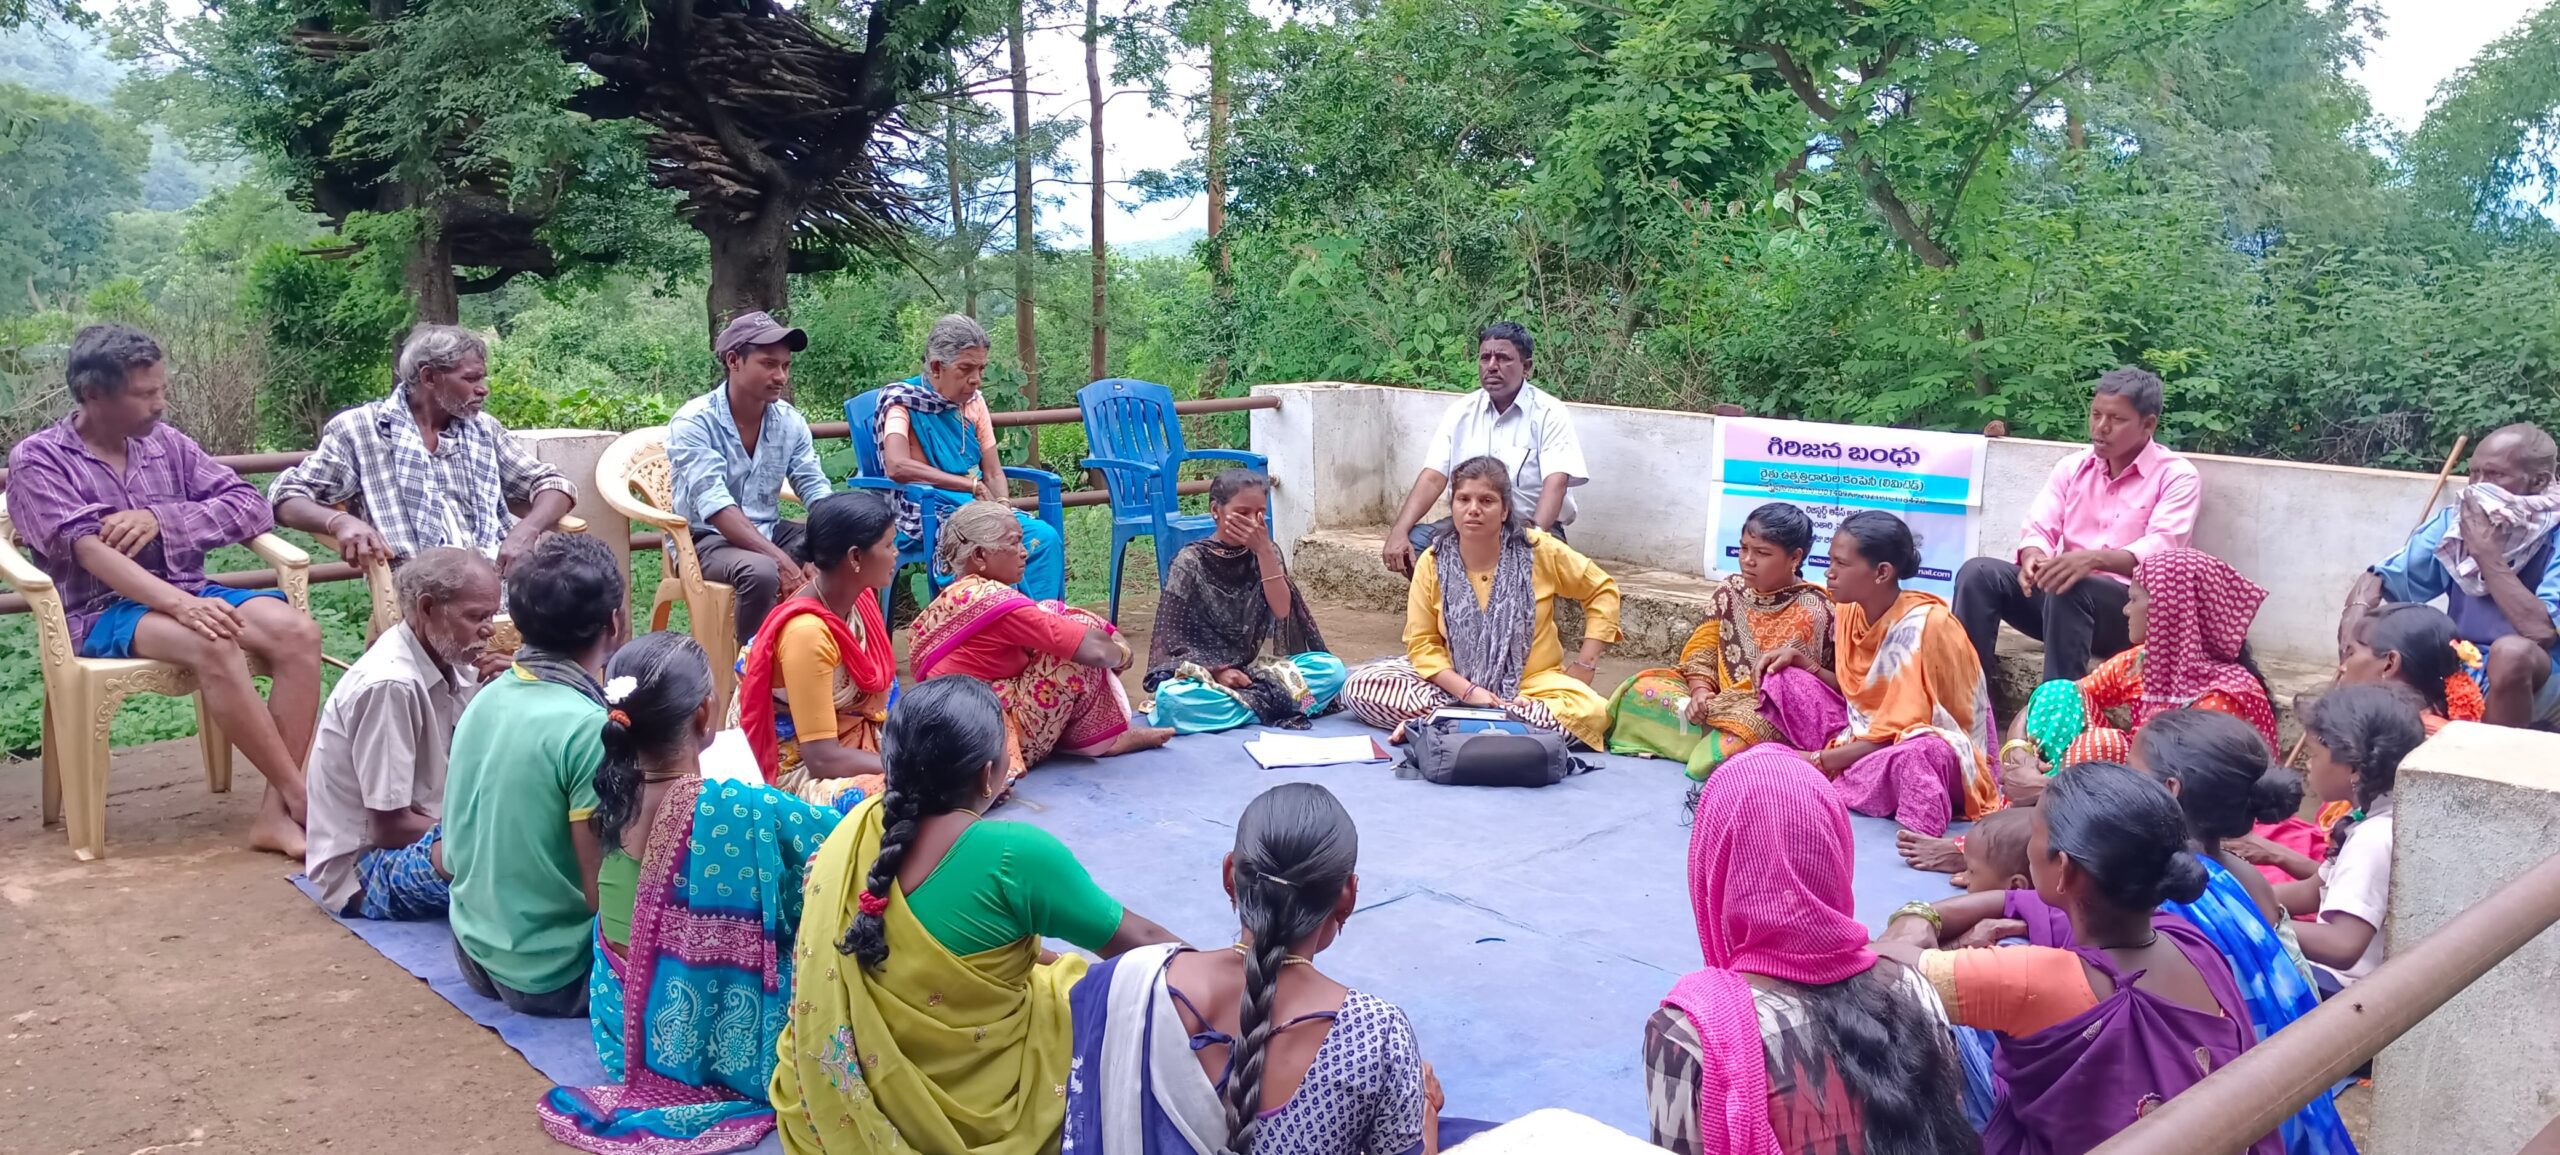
column 813, row 688
column 1054, row 666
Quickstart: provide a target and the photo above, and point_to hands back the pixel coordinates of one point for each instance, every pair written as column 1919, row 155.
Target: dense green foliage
column 69, row 166
column 1921, row 235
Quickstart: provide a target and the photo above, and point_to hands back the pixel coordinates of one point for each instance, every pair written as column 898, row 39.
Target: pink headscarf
column 2199, row 615
column 1769, row 869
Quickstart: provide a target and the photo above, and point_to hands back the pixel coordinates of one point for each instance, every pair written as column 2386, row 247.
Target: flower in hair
column 618, row 718
column 873, row 904
column 620, row 688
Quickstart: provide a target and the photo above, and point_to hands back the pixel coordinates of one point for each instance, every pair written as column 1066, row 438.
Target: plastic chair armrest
column 620, row 501
column 1239, row 456
column 292, row 565
column 1144, row 470
column 21, row 573
column 278, row 552
column 1050, row 487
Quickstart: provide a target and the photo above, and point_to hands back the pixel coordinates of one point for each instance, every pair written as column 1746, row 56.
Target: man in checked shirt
column 424, row 467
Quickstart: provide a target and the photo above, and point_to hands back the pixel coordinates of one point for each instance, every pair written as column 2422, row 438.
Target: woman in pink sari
column 1795, row 1038
column 1054, row 666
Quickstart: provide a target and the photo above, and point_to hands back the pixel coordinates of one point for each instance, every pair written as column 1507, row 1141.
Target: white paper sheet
column 1273, row 750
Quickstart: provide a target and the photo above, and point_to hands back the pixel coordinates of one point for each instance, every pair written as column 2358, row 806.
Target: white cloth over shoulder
column 2523, row 523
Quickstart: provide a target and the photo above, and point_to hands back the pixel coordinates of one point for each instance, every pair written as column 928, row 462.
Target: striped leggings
column 1389, row 692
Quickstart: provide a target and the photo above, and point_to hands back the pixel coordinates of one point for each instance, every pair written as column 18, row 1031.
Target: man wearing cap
column 731, row 449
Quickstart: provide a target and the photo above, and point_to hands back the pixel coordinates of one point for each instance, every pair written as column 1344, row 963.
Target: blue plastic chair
column 1136, row 441
column 936, row 504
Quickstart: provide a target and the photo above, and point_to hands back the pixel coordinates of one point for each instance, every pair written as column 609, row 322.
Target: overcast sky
column 2422, row 42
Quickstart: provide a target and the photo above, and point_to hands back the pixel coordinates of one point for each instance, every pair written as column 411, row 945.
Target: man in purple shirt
column 120, row 511
column 2105, row 508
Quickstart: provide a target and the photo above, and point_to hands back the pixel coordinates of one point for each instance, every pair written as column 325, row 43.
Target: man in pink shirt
column 2105, row 507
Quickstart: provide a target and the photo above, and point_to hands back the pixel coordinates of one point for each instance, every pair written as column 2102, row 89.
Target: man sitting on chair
column 934, row 429
column 377, row 768
column 426, row 465
column 730, row 450
column 120, row 511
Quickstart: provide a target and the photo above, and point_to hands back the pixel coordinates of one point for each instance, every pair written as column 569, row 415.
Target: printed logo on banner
column 1932, row 481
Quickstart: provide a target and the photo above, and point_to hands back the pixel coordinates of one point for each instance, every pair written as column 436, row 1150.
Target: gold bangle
column 2014, row 743
column 1918, row 909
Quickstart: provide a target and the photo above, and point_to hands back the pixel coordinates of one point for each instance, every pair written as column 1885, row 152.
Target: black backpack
column 1464, row 747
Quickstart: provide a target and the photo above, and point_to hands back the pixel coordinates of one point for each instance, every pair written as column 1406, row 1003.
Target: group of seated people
column 551, row 803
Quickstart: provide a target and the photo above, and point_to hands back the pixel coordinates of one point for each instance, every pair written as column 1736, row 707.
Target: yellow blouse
column 1555, row 571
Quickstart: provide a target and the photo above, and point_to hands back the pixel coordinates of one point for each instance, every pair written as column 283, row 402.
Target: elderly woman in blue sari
column 698, row 903
column 2219, row 767
column 934, row 429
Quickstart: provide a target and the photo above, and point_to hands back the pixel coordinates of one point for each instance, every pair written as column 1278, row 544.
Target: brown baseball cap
column 757, row 328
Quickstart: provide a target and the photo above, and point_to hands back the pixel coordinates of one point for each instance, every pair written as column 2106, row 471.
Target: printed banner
column 1932, row 481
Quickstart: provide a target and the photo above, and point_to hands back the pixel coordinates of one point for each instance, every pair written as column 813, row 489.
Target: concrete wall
column 2475, row 807
column 1343, row 456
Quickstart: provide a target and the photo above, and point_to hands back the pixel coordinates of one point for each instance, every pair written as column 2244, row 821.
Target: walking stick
column 2442, row 475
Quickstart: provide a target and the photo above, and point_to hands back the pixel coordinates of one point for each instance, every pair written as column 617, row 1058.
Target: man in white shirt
column 377, row 764
column 1508, row 419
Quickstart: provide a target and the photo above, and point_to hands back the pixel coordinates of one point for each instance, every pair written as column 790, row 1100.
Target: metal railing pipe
column 2232, row 1107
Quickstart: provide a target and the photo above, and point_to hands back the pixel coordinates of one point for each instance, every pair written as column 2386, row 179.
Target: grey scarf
column 1488, row 644
column 553, row 668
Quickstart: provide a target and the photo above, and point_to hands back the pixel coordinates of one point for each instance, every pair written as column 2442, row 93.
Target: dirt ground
column 181, row 996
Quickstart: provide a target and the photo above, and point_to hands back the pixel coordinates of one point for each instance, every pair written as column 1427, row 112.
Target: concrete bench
column 1659, row 609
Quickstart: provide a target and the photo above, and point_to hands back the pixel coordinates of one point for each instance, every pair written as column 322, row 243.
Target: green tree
column 2489, row 149
column 65, row 168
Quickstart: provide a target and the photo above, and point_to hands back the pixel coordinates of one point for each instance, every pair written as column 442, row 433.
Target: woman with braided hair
column 1054, row 667
column 698, row 904
column 925, row 1015
column 1251, row 1050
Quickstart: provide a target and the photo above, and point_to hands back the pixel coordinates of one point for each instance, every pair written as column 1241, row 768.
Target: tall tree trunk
column 1214, row 379
column 750, row 262
column 428, row 274
column 1093, row 130
column 964, row 246
column 1026, row 345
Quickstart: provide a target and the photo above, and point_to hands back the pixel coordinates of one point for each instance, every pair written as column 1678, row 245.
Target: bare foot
column 1921, row 852
column 1137, row 738
column 276, row 833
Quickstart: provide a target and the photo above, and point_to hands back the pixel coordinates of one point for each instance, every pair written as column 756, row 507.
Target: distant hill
column 73, row 63
column 1177, row 245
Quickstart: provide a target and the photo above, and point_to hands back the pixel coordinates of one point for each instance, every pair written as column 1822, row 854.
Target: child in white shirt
column 2358, row 735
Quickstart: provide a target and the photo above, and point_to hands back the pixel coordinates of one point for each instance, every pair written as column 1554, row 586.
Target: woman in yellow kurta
column 924, row 1015
column 1480, row 626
